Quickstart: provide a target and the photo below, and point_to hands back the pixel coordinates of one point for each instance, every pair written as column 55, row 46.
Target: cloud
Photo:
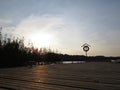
column 35, row 24
column 4, row 21
column 9, row 30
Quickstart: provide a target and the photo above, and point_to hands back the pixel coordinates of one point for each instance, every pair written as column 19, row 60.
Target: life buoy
column 86, row 48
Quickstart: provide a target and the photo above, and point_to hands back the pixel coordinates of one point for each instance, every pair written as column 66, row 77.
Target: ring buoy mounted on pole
column 86, row 48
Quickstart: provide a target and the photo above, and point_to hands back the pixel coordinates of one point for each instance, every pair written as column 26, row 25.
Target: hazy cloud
column 5, row 21
column 35, row 24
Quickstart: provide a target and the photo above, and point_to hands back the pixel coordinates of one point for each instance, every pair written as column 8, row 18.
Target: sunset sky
column 65, row 25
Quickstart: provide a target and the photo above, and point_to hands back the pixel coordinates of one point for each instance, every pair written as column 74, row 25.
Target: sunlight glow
column 40, row 40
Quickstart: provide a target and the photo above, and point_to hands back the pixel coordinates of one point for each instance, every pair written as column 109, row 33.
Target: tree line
column 13, row 52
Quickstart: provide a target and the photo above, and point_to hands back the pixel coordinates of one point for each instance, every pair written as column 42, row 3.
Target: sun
column 40, row 40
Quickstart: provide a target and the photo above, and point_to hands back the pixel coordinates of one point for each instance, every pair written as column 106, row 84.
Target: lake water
column 72, row 62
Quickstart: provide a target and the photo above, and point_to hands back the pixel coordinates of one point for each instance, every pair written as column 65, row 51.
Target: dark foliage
column 14, row 53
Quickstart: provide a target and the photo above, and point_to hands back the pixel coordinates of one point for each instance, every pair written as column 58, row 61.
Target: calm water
column 70, row 62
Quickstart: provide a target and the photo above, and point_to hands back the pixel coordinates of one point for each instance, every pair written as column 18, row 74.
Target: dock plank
column 88, row 76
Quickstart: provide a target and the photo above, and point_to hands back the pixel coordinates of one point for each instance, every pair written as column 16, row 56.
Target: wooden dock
column 87, row 76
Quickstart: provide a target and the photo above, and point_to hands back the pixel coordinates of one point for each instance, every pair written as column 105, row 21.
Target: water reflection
column 73, row 62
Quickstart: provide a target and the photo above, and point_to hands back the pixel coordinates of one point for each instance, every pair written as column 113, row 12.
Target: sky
column 65, row 25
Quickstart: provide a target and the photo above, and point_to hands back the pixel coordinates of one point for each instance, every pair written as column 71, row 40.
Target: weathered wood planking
column 88, row 76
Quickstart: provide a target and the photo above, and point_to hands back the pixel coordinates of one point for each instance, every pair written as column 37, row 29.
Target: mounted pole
column 86, row 54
